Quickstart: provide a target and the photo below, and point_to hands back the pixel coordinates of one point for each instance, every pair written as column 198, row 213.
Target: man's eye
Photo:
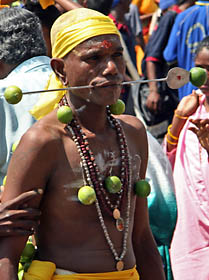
column 118, row 54
column 93, row 57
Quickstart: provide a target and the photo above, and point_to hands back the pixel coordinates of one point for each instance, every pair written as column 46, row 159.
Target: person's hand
column 153, row 101
column 16, row 218
column 188, row 105
column 201, row 129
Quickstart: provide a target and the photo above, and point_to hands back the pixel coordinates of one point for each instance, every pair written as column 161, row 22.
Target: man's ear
column 57, row 65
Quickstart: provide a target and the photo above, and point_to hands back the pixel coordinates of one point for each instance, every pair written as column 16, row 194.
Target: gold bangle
column 170, row 142
column 170, row 134
column 179, row 116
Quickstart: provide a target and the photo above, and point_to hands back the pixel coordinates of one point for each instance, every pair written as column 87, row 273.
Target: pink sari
column 190, row 243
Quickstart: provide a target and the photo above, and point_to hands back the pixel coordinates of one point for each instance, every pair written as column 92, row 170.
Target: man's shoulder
column 45, row 131
column 131, row 122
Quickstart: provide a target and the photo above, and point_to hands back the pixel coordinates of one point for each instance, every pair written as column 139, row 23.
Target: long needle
column 90, row 87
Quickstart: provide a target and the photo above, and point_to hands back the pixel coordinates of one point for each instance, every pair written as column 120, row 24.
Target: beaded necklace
column 94, row 179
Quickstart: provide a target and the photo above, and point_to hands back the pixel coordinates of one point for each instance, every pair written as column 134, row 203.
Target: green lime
column 24, row 260
column 65, row 114
column 142, row 188
column 118, row 108
column 20, row 267
column 198, row 76
column 26, row 266
column 113, row 184
column 13, row 94
column 28, row 251
column 86, row 195
column 20, row 274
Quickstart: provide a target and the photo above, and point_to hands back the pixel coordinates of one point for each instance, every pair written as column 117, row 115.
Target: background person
column 190, row 27
column 23, row 61
column 187, row 147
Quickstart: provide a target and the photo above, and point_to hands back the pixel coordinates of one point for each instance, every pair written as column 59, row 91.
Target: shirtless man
column 89, row 240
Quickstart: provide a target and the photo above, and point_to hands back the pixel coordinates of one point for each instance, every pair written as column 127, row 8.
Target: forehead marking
column 106, row 44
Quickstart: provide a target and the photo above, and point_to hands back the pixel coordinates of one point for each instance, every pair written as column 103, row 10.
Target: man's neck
column 5, row 69
column 91, row 117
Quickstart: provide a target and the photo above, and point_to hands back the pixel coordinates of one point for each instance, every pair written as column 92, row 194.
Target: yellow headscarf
column 68, row 31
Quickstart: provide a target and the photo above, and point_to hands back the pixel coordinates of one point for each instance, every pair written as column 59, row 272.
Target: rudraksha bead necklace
column 94, row 179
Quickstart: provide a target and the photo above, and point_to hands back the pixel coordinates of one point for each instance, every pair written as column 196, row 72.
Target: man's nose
column 110, row 68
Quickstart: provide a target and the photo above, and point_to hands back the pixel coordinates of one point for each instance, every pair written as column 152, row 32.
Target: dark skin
column 52, row 162
column 5, row 69
column 16, row 218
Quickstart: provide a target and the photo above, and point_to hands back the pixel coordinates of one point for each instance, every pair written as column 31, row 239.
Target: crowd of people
column 161, row 138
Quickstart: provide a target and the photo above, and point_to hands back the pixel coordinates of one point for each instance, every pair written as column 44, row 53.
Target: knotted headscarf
column 68, row 31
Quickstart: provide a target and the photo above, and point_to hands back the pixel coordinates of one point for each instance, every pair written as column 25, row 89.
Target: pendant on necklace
column 120, row 224
column 119, row 220
column 116, row 213
column 119, row 265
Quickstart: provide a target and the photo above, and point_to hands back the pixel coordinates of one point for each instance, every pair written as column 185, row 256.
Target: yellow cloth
column 45, row 271
column 40, row 270
column 68, row 31
column 48, row 101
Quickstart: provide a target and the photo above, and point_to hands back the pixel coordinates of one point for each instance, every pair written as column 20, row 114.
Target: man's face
column 99, row 62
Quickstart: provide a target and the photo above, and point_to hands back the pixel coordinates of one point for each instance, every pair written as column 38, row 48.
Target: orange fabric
column 139, row 57
column 145, row 6
column 3, row 4
column 46, row 3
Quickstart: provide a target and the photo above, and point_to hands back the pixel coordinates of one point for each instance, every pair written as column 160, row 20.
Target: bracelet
column 170, row 134
column 170, row 142
column 179, row 116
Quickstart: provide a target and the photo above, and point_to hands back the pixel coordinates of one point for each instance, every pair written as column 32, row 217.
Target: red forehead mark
column 179, row 77
column 105, row 44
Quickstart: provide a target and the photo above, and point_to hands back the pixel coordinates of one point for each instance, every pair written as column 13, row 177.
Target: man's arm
column 148, row 260
column 153, row 99
column 15, row 218
column 27, row 170
column 67, row 5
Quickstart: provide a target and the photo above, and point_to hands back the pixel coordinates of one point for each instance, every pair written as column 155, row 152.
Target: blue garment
column 115, row 3
column 190, row 27
column 157, row 43
column 165, row 4
column 30, row 75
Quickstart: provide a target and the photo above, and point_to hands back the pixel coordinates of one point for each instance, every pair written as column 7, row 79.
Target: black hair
column 180, row 2
column 47, row 16
column 102, row 6
column 202, row 44
column 21, row 35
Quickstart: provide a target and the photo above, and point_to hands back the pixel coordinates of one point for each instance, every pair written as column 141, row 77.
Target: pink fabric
column 190, row 244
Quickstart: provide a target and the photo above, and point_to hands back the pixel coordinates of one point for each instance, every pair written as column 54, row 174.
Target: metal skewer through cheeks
column 176, row 78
